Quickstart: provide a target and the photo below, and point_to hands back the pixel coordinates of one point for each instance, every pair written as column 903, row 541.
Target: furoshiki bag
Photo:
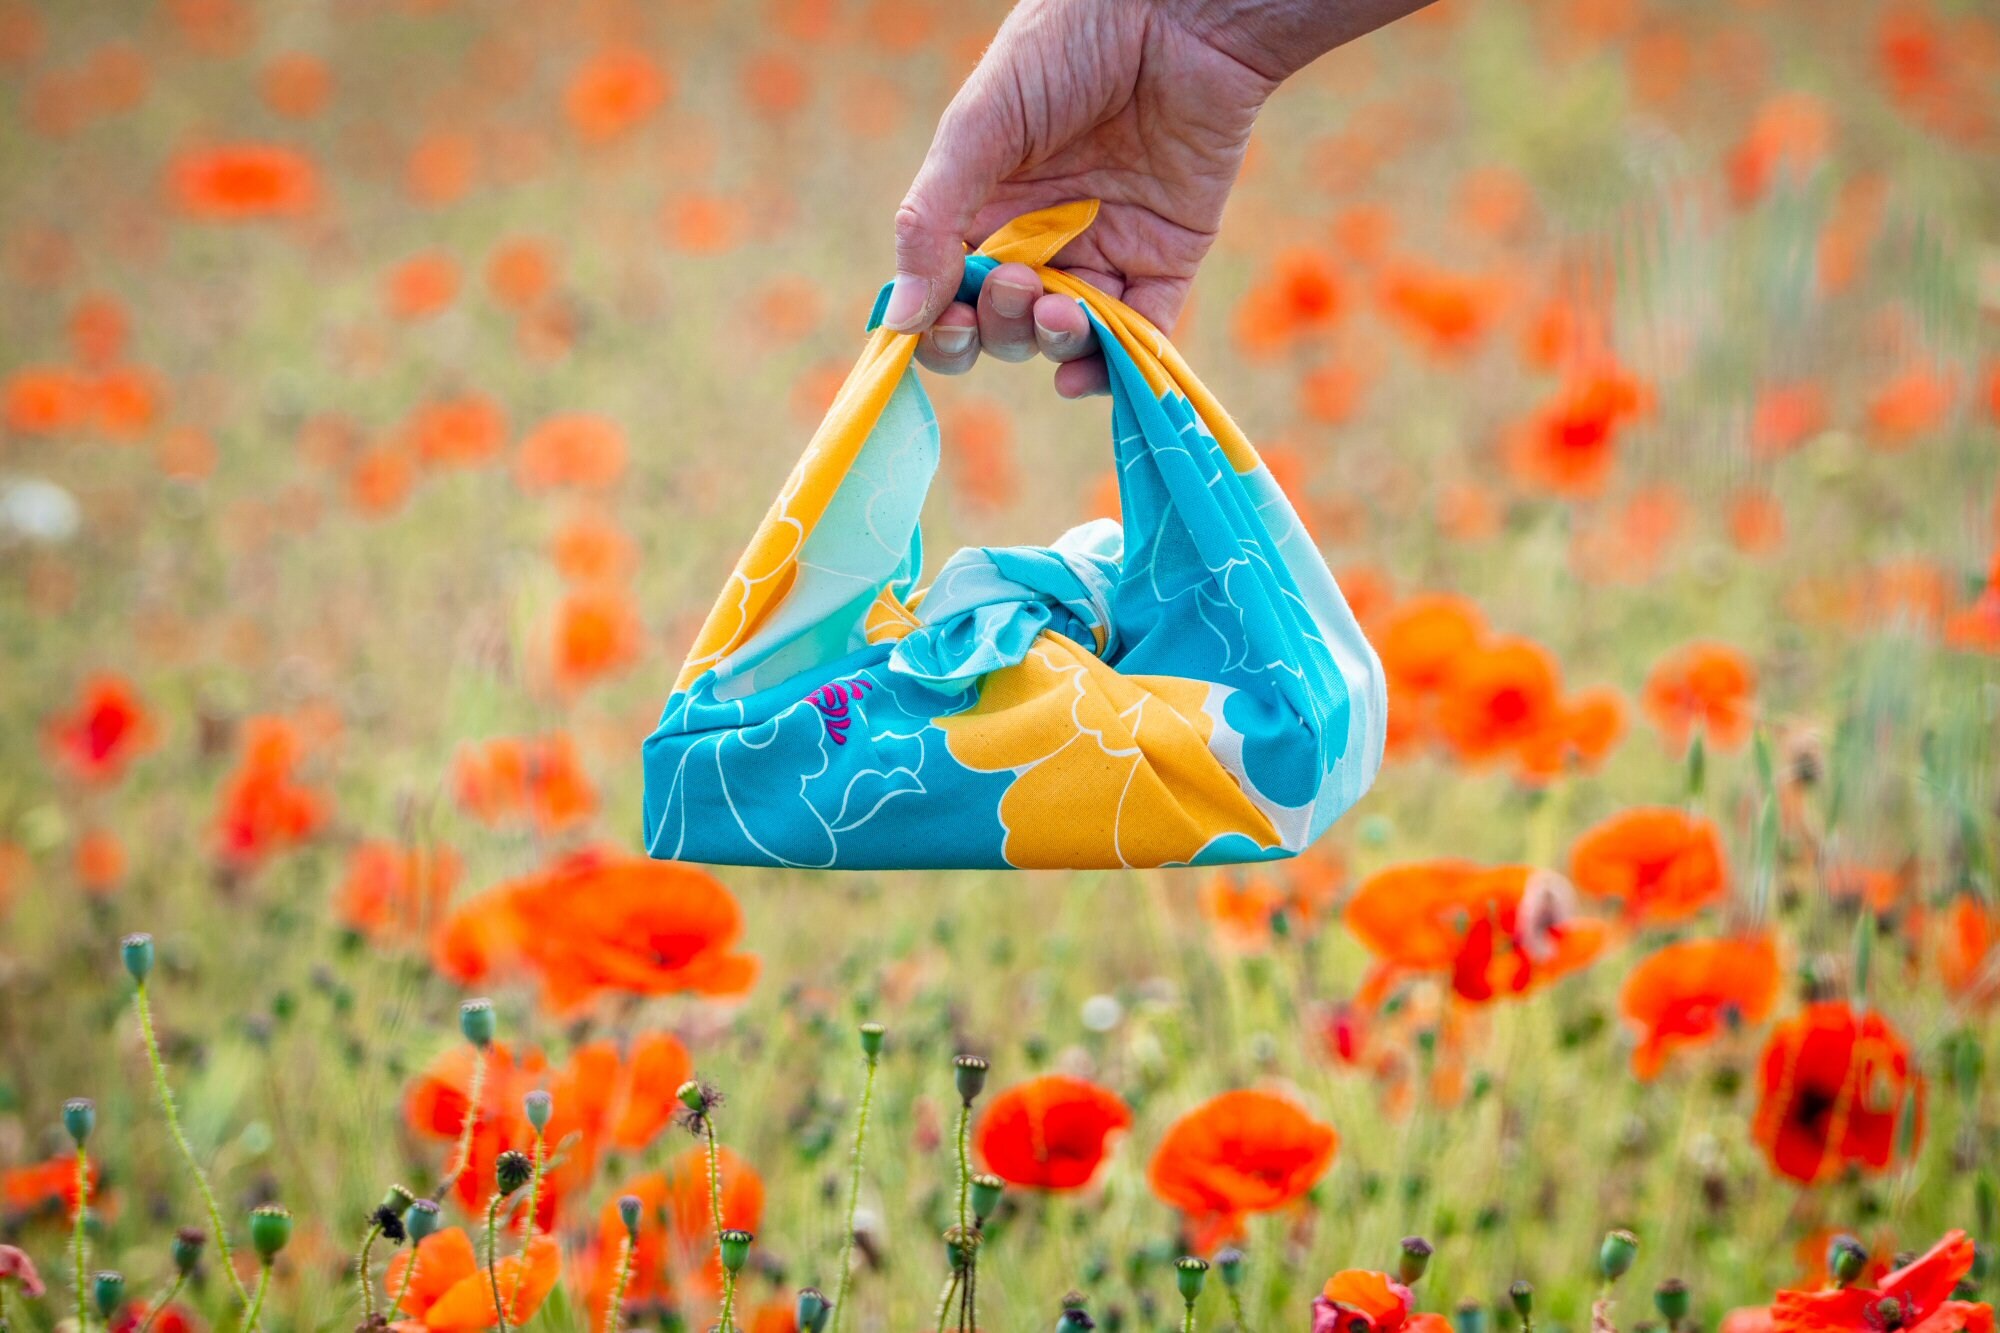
column 1187, row 689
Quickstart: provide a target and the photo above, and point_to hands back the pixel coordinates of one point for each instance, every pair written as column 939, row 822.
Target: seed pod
column 270, row 1230
column 871, row 1039
column 735, row 1249
column 421, row 1220
column 971, row 1077
column 628, row 1213
column 476, row 1022
column 1523, row 1297
column 79, row 1118
column 1670, row 1298
column 107, row 1292
column 1189, row 1275
column 813, row 1310
column 1846, row 1257
column 986, row 1195
column 539, row 1106
column 1229, row 1262
column 511, row 1171
column 188, row 1243
column 1615, row 1255
column 1413, row 1259
column 137, row 951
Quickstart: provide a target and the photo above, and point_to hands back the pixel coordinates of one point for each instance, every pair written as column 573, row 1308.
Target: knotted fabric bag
column 1189, row 688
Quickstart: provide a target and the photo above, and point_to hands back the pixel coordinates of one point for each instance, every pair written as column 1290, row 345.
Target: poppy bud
column 1229, row 1262
column 1074, row 1318
column 959, row 1245
column 1889, row 1311
column 188, row 1242
column 813, row 1310
column 1469, row 1317
column 511, row 1171
column 1845, row 1258
column 137, row 951
column 628, row 1213
column 79, row 1118
column 1413, row 1260
column 1523, row 1297
column 421, row 1220
column 1615, row 1256
column 871, row 1039
column 986, row 1195
column 1189, row 1275
column 475, row 1020
column 971, row 1075
column 539, row 1107
column 1670, row 1298
column 735, row 1249
column 270, row 1229
column 107, row 1292
column 693, row 1096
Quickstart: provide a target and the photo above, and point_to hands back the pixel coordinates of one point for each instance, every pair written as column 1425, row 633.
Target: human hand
column 1144, row 105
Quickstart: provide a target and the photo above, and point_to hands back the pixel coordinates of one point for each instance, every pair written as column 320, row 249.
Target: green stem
column 1187, row 1319
column 166, row 1095
column 714, row 1181
column 257, row 1301
column 728, row 1302
column 614, row 1313
column 534, row 1196
column 492, row 1264
column 403, row 1288
column 944, row 1298
column 964, row 1166
column 363, row 1265
column 464, row 1155
column 153, row 1310
column 76, row 1241
column 1236, row 1307
column 853, row 1195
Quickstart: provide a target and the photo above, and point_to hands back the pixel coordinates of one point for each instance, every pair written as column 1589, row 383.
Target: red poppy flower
column 451, row 1291
column 537, row 779
column 263, row 809
column 1662, row 864
column 1834, row 1085
column 1499, row 700
column 391, row 890
column 241, row 182
column 1360, row 1300
column 108, row 728
column 676, row 1240
column 1922, row 1288
column 1242, row 1152
column 1709, row 685
column 1568, row 444
column 1688, row 993
column 1050, row 1133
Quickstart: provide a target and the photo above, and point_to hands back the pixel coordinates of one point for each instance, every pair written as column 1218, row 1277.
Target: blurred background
column 386, row 386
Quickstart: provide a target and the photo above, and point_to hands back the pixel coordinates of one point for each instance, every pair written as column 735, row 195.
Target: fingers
column 951, row 344
column 1006, row 312
column 1062, row 331
column 966, row 158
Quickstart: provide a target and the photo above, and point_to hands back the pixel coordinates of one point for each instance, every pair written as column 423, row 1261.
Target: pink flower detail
column 833, row 702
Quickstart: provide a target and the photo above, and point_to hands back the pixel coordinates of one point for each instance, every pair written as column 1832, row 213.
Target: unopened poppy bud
column 1229, row 1263
column 1615, row 1256
column 1889, row 1311
column 1413, row 1260
column 188, row 1242
column 511, row 1171
column 137, row 951
column 476, row 1021
column 735, row 1249
column 1846, row 1257
column 871, row 1039
column 107, row 1292
column 1522, row 1294
column 986, row 1195
column 628, row 1213
column 1670, row 1298
column 270, row 1230
column 79, row 1118
column 1469, row 1317
column 539, row 1107
column 421, row 1220
column 971, row 1075
column 813, row 1310
column 1189, row 1275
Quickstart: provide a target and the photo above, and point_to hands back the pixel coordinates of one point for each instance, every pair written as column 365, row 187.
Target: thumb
column 931, row 223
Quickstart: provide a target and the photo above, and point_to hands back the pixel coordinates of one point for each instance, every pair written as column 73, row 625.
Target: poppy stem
column 492, row 1262
column 614, row 1313
column 534, row 1197
column 944, row 1298
column 1187, row 1318
column 726, row 1323
column 165, row 1093
column 854, row 1193
column 77, row 1239
column 1236, row 1307
column 367, row 1280
column 153, row 1310
column 409, row 1276
column 474, row 1092
column 257, row 1302
column 714, row 1181
column 968, row 1312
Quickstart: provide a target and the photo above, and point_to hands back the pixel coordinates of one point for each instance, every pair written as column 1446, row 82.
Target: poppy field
column 388, row 386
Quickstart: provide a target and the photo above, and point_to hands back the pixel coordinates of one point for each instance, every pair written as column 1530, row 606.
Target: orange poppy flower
column 442, row 168
column 380, row 481
column 1050, row 1133
column 462, row 431
column 1972, row 931
column 1445, row 314
column 1584, row 731
column 1239, row 911
column 244, row 182
column 1706, row 685
column 1784, row 416
column 109, row 728
column 452, row 1292
column 48, row 1185
column 1687, row 993
column 1303, row 296
column 614, row 93
column 1756, row 522
column 1833, row 1086
column 45, row 400
column 1567, row 445
column 1495, row 931
column 1499, row 699
column 100, row 862
column 1789, row 136
column 1359, row 1300
column 526, row 778
column 1661, row 864
column 1913, row 404
column 262, row 808
column 594, row 922
column 1872, row 887
column 1422, row 641
column 571, row 449
column 590, row 550
column 520, row 273
column 1924, row 1290
column 597, row 633
column 1241, row 1152
column 390, row 891
column 421, row 286
column 1976, row 627
column 124, row 402
column 676, row 1240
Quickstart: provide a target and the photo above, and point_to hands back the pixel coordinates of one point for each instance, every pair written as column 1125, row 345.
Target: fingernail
column 906, row 302
column 952, row 341
column 1011, row 301
column 1055, row 339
